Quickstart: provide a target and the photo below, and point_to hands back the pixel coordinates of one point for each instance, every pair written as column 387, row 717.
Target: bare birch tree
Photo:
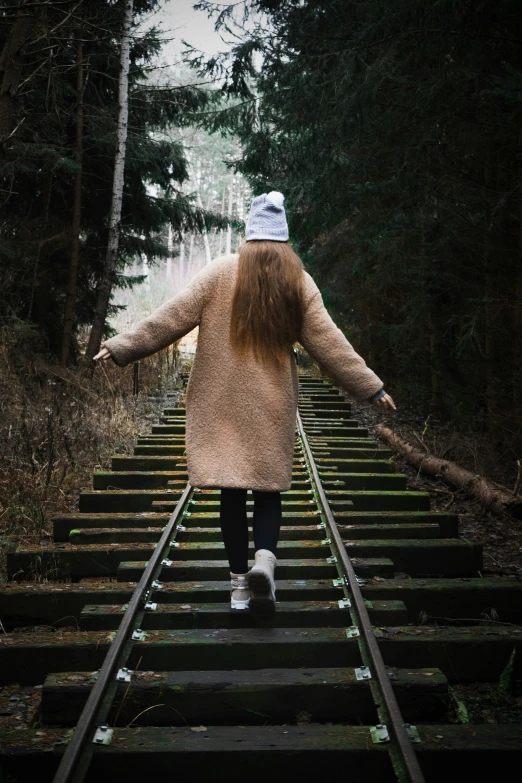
column 181, row 262
column 228, row 247
column 221, row 232
column 111, row 261
column 170, row 246
column 208, row 256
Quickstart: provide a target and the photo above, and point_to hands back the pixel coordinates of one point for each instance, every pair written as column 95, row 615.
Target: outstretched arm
column 325, row 342
column 167, row 324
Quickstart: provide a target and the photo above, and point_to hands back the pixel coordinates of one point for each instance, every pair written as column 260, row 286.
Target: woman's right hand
column 385, row 402
column 104, row 355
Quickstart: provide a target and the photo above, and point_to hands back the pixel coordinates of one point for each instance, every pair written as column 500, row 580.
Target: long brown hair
column 267, row 305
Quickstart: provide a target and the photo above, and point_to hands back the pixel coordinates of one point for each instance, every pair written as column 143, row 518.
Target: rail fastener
column 103, row 735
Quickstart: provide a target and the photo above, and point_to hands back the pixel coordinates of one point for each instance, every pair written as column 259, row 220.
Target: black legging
column 234, row 525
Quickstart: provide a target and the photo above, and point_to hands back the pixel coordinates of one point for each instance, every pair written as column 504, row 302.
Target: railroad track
column 352, row 677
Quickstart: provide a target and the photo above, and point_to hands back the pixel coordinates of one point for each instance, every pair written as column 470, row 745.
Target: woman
column 242, row 394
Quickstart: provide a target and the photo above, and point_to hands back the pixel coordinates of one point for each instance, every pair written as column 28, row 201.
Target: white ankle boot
column 239, row 591
column 261, row 583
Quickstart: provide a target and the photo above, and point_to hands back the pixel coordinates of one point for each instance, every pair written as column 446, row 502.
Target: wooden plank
column 71, row 562
column 135, row 479
column 124, row 500
column 201, row 535
column 64, row 523
column 447, row 557
column 408, row 530
column 213, row 505
column 155, row 450
column 310, row 412
column 119, row 463
column 445, row 599
column 85, row 560
column 325, row 402
column 123, row 535
column 157, row 479
column 379, row 501
column 59, row 603
column 359, row 451
column 290, row 614
column 352, row 464
column 245, row 697
column 28, row 658
column 448, row 523
column 274, row 752
column 349, row 434
column 467, row 654
column 385, row 482
column 326, row 453
column 196, row 570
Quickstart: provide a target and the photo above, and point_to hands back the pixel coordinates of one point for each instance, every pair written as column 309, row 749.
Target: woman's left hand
column 104, row 354
column 386, row 402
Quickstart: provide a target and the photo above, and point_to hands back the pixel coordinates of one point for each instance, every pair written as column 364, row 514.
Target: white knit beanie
column 267, row 219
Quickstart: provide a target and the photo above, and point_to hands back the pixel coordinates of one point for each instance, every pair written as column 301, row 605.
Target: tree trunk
column 168, row 270
column 517, row 314
column 181, row 264
column 434, row 330
column 490, row 292
column 240, row 198
column 70, row 299
column 111, row 261
column 208, row 256
column 228, row 248
column 11, row 66
column 497, row 499
column 40, row 282
column 190, row 254
column 221, row 234
column 145, row 271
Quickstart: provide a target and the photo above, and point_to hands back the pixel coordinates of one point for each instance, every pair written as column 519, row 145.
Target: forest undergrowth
column 473, row 450
column 58, row 425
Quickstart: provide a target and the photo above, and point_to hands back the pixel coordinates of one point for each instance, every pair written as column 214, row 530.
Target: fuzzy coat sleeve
column 325, row 342
column 168, row 323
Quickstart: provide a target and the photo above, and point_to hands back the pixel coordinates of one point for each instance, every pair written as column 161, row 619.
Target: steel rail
column 82, row 732
column 397, row 724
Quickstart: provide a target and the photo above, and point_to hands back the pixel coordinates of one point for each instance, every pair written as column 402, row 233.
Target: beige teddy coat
column 241, row 415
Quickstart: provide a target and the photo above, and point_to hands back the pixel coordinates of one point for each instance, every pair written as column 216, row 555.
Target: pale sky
column 178, row 20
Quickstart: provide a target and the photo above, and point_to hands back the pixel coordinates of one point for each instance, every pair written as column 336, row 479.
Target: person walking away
column 251, row 308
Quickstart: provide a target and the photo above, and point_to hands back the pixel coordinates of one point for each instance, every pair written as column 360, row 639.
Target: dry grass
column 57, row 425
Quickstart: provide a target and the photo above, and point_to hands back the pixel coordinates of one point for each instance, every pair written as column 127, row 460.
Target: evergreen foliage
column 393, row 128
column 37, row 154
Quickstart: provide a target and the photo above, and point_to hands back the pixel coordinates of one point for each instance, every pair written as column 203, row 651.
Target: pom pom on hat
column 267, row 218
column 276, row 198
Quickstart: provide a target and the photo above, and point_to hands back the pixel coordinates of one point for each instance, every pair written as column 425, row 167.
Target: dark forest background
column 393, row 127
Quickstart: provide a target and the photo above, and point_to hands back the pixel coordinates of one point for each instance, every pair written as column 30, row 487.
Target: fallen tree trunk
column 492, row 497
